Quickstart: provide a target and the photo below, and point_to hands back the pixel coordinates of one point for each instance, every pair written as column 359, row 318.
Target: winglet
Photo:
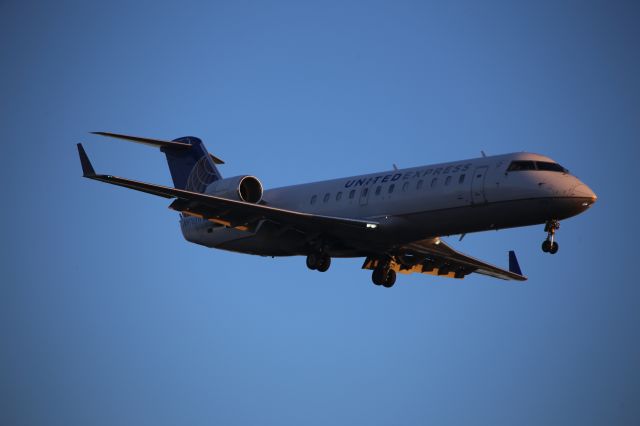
column 87, row 168
column 513, row 263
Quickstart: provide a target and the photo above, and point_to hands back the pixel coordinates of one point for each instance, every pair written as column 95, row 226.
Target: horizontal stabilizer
column 154, row 142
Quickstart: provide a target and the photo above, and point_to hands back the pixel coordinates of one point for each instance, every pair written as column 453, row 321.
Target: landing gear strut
column 550, row 245
column 318, row 261
column 384, row 276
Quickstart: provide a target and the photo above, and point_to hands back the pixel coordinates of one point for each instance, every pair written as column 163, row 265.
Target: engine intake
column 244, row 188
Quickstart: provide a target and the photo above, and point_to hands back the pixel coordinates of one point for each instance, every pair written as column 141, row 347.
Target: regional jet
column 393, row 219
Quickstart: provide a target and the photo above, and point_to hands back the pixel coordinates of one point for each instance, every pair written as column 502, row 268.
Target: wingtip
column 514, row 266
column 87, row 168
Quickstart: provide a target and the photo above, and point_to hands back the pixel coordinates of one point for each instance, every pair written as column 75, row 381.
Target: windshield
column 548, row 166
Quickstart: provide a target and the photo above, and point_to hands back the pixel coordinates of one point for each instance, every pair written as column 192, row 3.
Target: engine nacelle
column 244, row 188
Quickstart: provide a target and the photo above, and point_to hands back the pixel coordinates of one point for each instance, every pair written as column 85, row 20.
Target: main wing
column 236, row 214
column 432, row 256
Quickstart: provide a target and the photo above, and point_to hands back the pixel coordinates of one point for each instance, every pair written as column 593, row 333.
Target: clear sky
column 107, row 316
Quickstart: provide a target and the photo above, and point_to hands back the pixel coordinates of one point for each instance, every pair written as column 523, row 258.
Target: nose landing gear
column 550, row 245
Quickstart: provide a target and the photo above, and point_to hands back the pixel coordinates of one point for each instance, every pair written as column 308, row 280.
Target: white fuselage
column 416, row 203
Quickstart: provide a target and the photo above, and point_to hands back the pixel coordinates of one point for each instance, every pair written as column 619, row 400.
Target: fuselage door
column 477, row 185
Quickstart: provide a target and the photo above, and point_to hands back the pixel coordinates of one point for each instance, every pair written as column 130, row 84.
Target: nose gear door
column 477, row 185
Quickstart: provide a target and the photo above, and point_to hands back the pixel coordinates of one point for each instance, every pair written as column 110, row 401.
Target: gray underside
column 273, row 240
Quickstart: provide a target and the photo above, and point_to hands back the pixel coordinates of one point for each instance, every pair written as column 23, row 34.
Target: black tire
column 390, row 279
column 377, row 276
column 546, row 246
column 324, row 261
column 554, row 248
column 312, row 261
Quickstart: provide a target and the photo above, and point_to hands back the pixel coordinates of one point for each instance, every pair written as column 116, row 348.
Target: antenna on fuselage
column 395, row 167
column 483, row 154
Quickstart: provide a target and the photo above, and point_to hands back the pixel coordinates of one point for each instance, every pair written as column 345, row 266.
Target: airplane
column 393, row 219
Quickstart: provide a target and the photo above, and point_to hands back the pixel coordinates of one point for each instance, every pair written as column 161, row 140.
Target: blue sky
column 109, row 317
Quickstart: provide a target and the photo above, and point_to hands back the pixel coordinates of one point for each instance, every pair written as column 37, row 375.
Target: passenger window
column 365, row 191
column 405, row 186
column 313, row 199
column 447, row 181
column 339, row 196
column 419, row 185
column 326, row 197
column 391, row 187
column 461, row 179
column 352, row 194
column 378, row 189
column 433, row 182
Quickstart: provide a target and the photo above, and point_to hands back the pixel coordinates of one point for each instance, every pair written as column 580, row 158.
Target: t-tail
column 192, row 167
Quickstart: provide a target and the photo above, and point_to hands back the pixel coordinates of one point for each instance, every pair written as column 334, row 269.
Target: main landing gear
column 318, row 261
column 550, row 245
column 383, row 275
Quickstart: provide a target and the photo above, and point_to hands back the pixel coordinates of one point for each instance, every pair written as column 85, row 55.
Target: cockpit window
column 517, row 166
column 551, row 167
column 548, row 166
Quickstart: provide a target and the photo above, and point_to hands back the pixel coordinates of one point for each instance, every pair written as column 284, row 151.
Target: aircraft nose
column 583, row 191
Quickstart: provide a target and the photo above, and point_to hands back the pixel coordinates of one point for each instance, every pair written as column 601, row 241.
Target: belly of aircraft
column 271, row 240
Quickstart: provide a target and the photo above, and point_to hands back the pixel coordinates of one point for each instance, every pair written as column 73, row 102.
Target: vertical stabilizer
column 192, row 169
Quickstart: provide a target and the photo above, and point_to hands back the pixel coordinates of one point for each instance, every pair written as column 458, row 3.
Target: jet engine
column 244, row 188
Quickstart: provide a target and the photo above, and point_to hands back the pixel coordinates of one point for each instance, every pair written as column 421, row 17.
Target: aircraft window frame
column 352, row 194
column 447, row 181
column 364, row 192
column 339, row 196
column 314, row 198
column 378, row 189
column 419, row 184
column 391, row 188
column 405, row 186
column 326, row 197
column 461, row 179
column 434, row 182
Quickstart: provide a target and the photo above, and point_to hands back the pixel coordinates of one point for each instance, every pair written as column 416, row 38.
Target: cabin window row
column 391, row 188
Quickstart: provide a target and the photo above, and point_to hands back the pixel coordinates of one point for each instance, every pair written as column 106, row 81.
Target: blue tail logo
column 191, row 169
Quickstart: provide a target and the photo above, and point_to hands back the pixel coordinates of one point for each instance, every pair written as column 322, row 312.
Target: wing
column 432, row 256
column 234, row 213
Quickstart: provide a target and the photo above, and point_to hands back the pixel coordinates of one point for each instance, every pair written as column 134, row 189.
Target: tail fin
column 191, row 166
column 192, row 169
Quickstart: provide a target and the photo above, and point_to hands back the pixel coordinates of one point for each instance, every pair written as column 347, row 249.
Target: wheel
column 312, row 261
column 324, row 261
column 546, row 246
column 378, row 276
column 554, row 248
column 390, row 279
